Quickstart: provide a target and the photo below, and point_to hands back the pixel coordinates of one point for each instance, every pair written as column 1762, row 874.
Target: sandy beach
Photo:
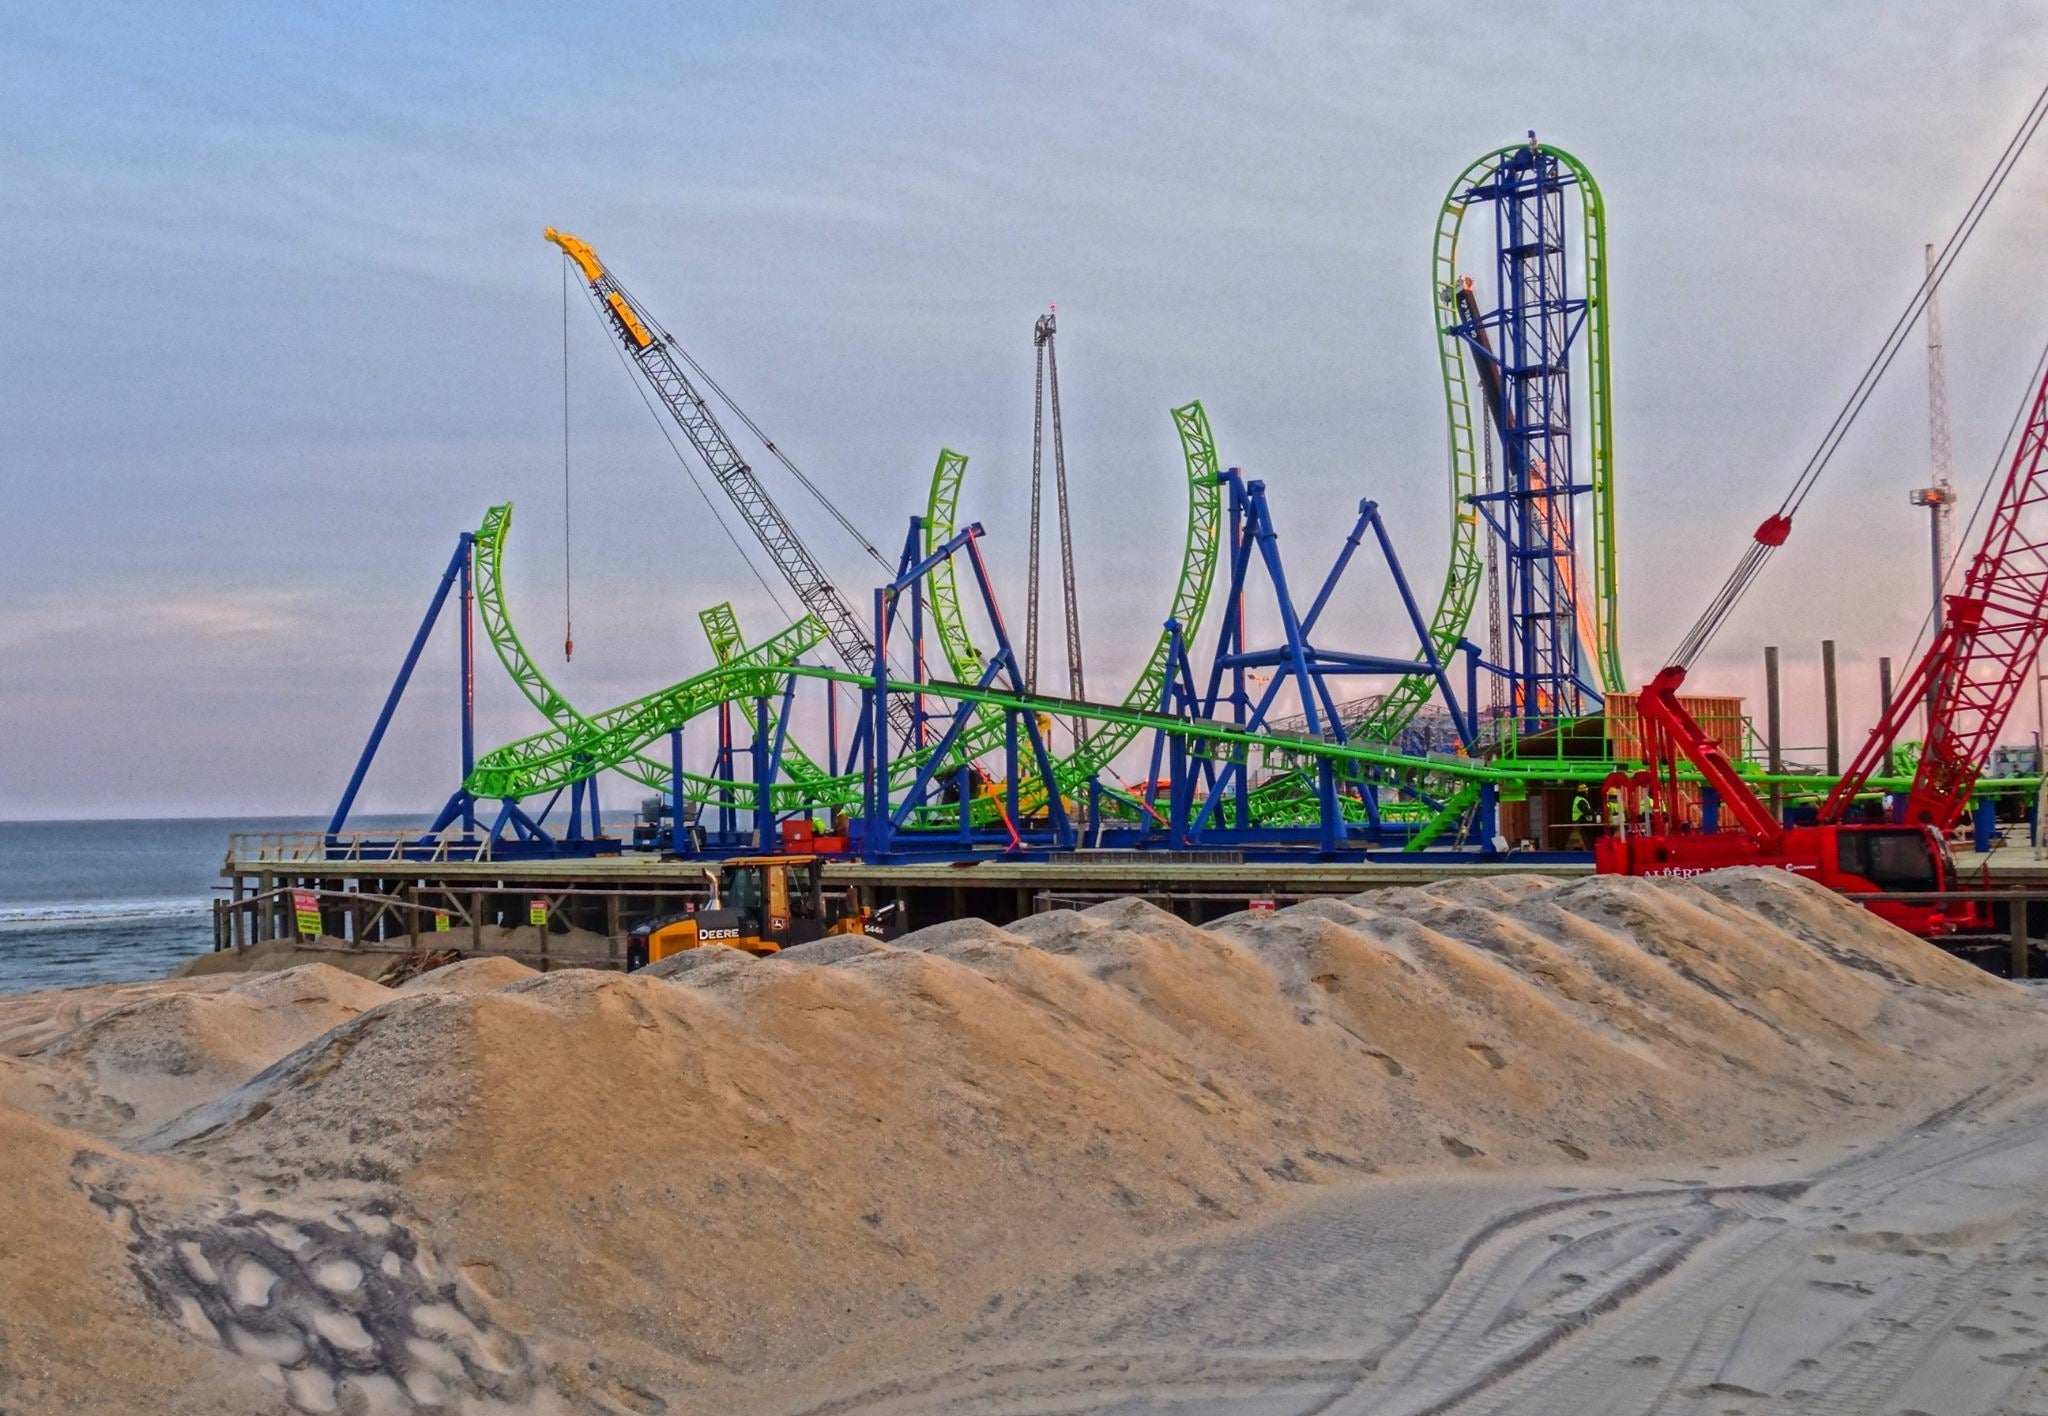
column 1513, row 1145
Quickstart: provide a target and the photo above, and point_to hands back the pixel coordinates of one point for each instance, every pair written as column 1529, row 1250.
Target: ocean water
column 109, row 901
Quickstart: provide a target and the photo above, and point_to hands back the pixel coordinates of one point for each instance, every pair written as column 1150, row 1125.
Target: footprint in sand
column 345, row 1311
column 1458, row 1148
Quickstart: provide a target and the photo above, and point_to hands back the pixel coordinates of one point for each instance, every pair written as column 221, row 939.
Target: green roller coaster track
column 568, row 725
column 1466, row 573
column 576, row 746
column 1190, row 602
column 1441, row 789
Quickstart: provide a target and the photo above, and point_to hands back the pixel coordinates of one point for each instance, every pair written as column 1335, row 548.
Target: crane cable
column 690, row 471
column 661, row 423
column 865, row 542
column 846, row 524
column 568, row 609
column 1778, row 526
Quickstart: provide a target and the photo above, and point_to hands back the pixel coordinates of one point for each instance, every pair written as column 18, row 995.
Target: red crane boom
column 1969, row 678
column 1973, row 672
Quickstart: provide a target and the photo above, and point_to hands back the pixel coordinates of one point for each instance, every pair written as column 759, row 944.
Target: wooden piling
column 1774, row 743
column 1834, row 706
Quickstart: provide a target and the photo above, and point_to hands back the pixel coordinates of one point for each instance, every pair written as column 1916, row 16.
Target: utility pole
column 1049, row 373
column 1940, row 497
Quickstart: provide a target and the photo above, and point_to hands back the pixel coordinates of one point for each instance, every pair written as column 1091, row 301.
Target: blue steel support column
column 831, row 728
column 1165, row 706
column 875, row 840
column 1010, row 764
column 449, row 576
column 1462, row 722
column 1006, row 656
column 678, row 837
column 764, row 779
column 1240, row 700
column 917, row 666
column 779, row 742
column 1528, row 384
column 1178, row 791
column 468, row 685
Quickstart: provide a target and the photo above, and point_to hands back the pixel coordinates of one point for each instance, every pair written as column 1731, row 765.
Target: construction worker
column 1582, row 812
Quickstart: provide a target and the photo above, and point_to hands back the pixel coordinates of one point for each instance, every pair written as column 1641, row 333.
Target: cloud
column 293, row 327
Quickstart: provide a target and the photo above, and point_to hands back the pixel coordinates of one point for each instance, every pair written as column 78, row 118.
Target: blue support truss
column 892, row 819
column 1296, row 664
column 1523, row 348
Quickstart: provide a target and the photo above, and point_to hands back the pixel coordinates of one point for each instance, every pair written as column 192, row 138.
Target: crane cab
column 760, row 905
column 1898, row 860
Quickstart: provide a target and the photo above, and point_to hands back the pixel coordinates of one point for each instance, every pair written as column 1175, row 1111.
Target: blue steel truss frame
column 458, row 576
column 1523, row 349
column 893, row 822
column 1222, row 773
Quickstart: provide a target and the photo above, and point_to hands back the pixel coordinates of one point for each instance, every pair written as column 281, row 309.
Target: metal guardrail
column 396, row 843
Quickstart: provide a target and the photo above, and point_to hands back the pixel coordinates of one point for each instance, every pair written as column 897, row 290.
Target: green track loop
column 1467, row 570
column 576, row 746
column 1204, row 527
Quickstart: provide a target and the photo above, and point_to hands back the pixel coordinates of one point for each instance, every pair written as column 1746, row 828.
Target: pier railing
column 392, row 843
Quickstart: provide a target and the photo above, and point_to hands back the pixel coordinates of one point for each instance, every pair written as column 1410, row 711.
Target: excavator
column 761, row 905
column 1981, row 657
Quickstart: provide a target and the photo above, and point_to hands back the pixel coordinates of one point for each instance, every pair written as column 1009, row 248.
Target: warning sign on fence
column 537, row 911
column 440, row 921
column 306, row 905
column 1260, row 906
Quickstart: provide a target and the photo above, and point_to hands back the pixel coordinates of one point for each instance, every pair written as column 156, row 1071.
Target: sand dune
column 737, row 1184
column 150, row 1057
column 481, row 975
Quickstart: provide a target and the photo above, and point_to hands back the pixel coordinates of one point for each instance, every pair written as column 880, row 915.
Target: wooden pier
column 558, row 912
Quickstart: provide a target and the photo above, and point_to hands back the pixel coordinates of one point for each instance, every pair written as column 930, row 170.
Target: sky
column 279, row 324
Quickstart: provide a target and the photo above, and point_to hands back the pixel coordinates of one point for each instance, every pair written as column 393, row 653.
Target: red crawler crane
column 1970, row 677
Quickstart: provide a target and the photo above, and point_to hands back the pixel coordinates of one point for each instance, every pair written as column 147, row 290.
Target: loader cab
column 762, row 905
